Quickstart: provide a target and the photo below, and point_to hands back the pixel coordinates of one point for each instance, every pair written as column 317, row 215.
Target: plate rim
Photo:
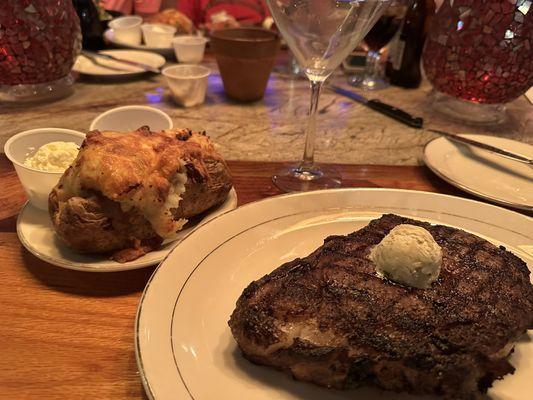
column 465, row 188
column 119, row 267
column 138, row 357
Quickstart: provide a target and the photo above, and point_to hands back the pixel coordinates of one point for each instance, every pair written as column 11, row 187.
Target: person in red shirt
column 245, row 12
column 127, row 7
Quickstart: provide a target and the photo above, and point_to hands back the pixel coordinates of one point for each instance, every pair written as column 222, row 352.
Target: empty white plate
column 184, row 346
column 102, row 67
column 482, row 173
column 164, row 51
column 37, row 235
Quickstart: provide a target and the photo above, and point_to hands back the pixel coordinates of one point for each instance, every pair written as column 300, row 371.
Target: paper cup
column 189, row 49
column 158, row 35
column 188, row 83
column 127, row 29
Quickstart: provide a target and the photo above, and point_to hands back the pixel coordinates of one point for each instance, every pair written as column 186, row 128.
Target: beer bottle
column 403, row 65
column 91, row 28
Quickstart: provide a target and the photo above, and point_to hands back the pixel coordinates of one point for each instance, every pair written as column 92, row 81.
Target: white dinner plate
column 37, row 235
column 184, row 346
column 164, row 51
column 101, row 67
column 482, row 173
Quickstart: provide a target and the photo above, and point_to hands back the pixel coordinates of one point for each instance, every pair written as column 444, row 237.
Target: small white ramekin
column 130, row 118
column 36, row 183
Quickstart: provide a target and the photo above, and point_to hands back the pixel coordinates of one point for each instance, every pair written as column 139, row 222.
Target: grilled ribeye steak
column 329, row 319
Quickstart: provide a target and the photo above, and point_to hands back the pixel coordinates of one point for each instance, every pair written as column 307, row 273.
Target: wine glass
column 376, row 39
column 320, row 33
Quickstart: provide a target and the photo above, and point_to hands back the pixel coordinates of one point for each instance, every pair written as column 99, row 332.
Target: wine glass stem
column 372, row 65
column 309, row 151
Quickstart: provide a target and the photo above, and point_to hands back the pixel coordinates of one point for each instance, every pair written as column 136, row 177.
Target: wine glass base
column 355, row 80
column 296, row 179
column 368, row 83
column 467, row 111
column 374, row 83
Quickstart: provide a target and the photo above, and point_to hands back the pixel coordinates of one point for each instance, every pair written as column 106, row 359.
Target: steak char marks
column 329, row 319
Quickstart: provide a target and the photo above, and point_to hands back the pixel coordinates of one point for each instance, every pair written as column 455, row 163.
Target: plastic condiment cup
column 189, row 49
column 36, row 183
column 130, row 118
column 188, row 83
column 127, row 29
column 158, row 35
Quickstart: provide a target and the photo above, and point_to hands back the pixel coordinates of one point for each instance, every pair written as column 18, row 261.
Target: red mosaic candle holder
column 481, row 53
column 39, row 42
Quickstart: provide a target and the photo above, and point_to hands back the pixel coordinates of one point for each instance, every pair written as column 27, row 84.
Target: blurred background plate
column 101, row 67
column 482, row 173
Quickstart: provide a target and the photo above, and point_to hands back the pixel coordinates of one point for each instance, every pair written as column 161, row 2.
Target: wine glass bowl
column 320, row 33
column 376, row 39
column 383, row 31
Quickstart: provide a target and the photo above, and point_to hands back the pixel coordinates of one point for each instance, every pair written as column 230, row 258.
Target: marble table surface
column 271, row 129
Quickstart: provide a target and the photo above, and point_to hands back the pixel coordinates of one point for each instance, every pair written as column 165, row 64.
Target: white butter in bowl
column 40, row 161
column 53, row 156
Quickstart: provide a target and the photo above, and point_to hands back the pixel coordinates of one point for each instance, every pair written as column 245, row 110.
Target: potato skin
column 97, row 225
column 203, row 193
column 88, row 221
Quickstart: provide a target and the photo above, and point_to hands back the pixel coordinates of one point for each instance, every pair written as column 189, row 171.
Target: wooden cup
column 245, row 58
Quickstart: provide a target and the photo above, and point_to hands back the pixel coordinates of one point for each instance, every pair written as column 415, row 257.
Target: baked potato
column 127, row 192
column 172, row 17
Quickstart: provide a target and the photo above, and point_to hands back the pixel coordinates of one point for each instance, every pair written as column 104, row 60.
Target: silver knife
column 417, row 122
column 488, row 147
column 146, row 67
